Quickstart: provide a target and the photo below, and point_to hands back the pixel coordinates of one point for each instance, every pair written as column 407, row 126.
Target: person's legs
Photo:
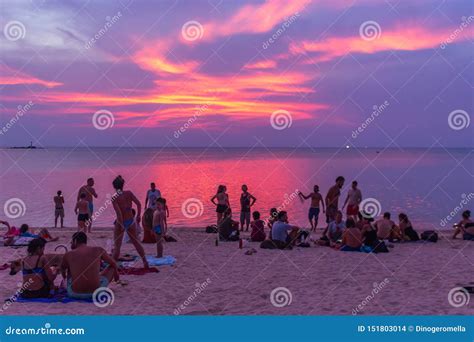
column 457, row 232
column 159, row 245
column 56, row 216
column 132, row 234
column 310, row 218
column 247, row 220
column 242, row 220
column 109, row 274
column 219, row 218
column 118, row 237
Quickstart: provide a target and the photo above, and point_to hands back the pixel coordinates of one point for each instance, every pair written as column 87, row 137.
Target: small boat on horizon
column 30, row 147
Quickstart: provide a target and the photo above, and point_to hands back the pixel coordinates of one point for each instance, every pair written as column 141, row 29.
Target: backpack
column 211, row 229
column 429, row 235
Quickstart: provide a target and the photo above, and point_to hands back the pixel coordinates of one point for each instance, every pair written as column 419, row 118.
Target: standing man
column 58, row 208
column 151, row 196
column 353, row 199
column 89, row 190
column 246, row 201
column 313, row 213
column 332, row 199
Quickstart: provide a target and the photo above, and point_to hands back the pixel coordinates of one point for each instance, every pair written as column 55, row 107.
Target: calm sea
column 428, row 184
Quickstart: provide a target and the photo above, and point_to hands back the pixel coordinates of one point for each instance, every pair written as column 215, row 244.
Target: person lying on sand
column 460, row 227
column 351, row 237
column 313, row 213
column 82, row 212
column 125, row 221
column 159, row 226
column 38, row 277
column 284, row 233
column 81, row 268
column 43, row 233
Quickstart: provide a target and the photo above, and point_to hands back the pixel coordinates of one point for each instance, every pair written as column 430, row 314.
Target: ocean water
column 430, row 185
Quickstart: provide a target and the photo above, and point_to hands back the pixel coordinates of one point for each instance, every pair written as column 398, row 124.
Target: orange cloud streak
column 9, row 76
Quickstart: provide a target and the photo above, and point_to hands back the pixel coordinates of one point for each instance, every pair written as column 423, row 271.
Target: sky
column 216, row 73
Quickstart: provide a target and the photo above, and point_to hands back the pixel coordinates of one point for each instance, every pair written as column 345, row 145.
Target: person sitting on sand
column 283, row 234
column 258, row 228
column 466, row 220
column 43, row 233
column 271, row 220
column 228, row 228
column 159, row 226
column 335, row 229
column 38, row 278
column 58, row 209
column 125, row 220
column 332, row 199
column 313, row 213
column 385, row 227
column 222, row 203
column 353, row 199
column 406, row 228
column 351, row 237
column 89, row 190
column 82, row 211
column 82, row 268
column 246, row 202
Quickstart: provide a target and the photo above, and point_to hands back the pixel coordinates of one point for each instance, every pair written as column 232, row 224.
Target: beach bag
column 211, row 229
column 429, row 235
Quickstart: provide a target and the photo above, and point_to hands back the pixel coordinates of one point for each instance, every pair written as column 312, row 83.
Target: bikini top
column 35, row 270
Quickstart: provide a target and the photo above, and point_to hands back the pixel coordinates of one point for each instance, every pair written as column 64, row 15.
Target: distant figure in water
column 246, row 202
column 89, row 190
column 465, row 226
column 222, row 203
column 332, row 199
column 314, row 210
column 82, row 212
column 406, row 228
column 125, row 221
column 58, row 208
column 353, row 199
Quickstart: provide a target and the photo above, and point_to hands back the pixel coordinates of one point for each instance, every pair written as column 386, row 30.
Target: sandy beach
column 414, row 278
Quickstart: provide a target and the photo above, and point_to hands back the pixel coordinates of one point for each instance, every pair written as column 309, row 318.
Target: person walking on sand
column 313, row 213
column 353, row 199
column 89, row 190
column 151, row 196
column 246, row 202
column 222, row 203
column 82, row 212
column 332, row 199
column 58, row 208
column 125, row 221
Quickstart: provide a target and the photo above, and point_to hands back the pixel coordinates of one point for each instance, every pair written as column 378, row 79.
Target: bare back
column 83, row 266
column 124, row 202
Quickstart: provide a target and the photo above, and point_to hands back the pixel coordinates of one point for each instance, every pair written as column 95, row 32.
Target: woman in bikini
column 222, row 202
column 38, row 279
column 125, row 221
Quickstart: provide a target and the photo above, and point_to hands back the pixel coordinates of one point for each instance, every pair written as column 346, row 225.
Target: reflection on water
column 425, row 184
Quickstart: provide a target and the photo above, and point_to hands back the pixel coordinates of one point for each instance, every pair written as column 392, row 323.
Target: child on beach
column 82, row 212
column 313, row 213
column 258, row 228
column 159, row 227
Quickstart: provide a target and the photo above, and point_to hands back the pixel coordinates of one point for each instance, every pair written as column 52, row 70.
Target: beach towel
column 59, row 296
column 166, row 260
column 22, row 241
column 137, row 270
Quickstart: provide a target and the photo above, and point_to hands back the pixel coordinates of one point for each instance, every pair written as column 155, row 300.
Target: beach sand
column 414, row 278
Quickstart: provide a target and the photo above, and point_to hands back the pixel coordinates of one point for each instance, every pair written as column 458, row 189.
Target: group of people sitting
column 24, row 234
